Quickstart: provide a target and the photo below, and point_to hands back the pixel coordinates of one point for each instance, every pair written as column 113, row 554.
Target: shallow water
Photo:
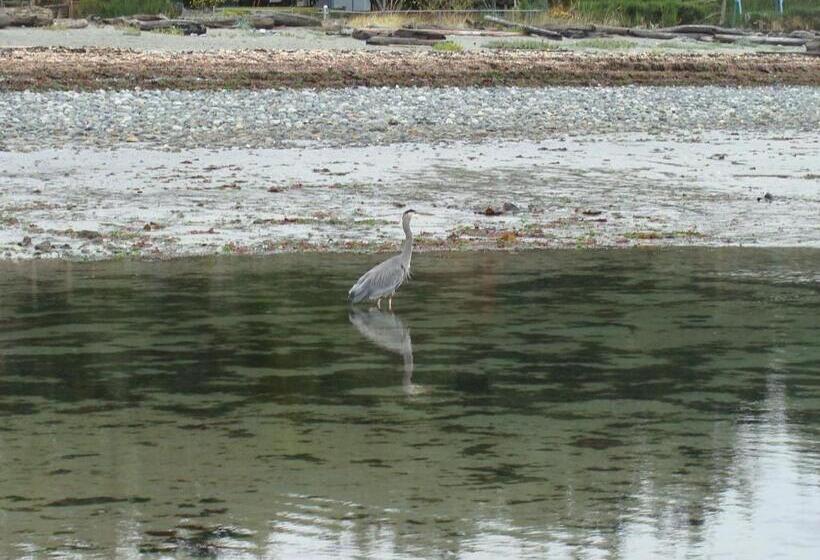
column 629, row 403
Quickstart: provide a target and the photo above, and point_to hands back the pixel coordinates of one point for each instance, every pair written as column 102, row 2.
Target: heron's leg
column 390, row 303
column 379, row 303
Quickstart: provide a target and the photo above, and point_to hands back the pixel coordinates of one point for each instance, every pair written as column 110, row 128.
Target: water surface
column 591, row 404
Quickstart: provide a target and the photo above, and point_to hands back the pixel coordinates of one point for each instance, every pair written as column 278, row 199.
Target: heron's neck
column 407, row 245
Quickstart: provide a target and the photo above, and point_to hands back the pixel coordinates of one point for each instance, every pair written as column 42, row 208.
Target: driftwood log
column 528, row 29
column 121, row 20
column 474, row 32
column 805, row 34
column 385, row 41
column 813, row 47
column 71, row 23
column 651, row 34
column 428, row 35
column 365, row 34
column 221, row 23
column 782, row 41
column 187, row 27
column 283, row 20
column 703, row 30
column 26, row 17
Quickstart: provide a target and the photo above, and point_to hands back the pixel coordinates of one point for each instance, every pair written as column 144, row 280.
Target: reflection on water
column 577, row 404
column 386, row 330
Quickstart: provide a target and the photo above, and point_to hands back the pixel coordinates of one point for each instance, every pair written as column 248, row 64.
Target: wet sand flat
column 593, row 191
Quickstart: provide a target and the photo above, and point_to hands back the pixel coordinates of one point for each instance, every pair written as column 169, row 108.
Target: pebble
column 366, row 116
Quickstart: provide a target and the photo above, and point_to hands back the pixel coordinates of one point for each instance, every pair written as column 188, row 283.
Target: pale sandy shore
column 595, row 191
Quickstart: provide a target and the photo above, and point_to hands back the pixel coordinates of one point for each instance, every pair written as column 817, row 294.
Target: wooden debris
column 269, row 21
column 71, row 23
column 222, row 23
column 419, row 34
column 703, row 29
column 365, row 34
column 651, row 34
column 188, row 27
column 528, row 29
column 760, row 40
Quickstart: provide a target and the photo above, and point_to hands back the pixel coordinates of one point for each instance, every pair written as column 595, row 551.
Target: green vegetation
column 604, row 44
column 206, row 4
column 759, row 14
column 526, row 45
column 647, row 12
column 116, row 8
column 447, row 46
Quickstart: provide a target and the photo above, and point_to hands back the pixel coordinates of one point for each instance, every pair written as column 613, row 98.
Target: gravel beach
column 175, row 120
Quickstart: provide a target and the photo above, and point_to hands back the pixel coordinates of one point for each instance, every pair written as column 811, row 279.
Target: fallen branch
column 528, row 29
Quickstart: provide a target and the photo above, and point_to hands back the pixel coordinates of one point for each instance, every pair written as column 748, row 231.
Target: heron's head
column 407, row 215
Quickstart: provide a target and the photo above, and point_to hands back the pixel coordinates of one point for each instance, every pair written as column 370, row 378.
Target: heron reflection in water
column 387, row 331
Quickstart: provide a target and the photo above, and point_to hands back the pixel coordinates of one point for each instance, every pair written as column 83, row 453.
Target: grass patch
column 244, row 11
column 116, row 8
column 394, row 20
column 524, row 45
column 604, row 44
column 447, row 46
column 757, row 14
column 132, row 31
column 649, row 12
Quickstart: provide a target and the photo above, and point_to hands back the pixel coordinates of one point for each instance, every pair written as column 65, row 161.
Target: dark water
column 564, row 404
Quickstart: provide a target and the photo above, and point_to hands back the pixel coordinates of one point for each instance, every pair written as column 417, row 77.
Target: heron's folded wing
column 382, row 278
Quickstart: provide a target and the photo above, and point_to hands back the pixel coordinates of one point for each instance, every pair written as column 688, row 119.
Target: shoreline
column 94, row 68
column 588, row 192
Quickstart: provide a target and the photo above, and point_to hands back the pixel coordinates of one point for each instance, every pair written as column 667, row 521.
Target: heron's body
column 385, row 278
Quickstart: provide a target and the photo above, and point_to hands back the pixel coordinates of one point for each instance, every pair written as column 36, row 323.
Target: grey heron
column 385, row 278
